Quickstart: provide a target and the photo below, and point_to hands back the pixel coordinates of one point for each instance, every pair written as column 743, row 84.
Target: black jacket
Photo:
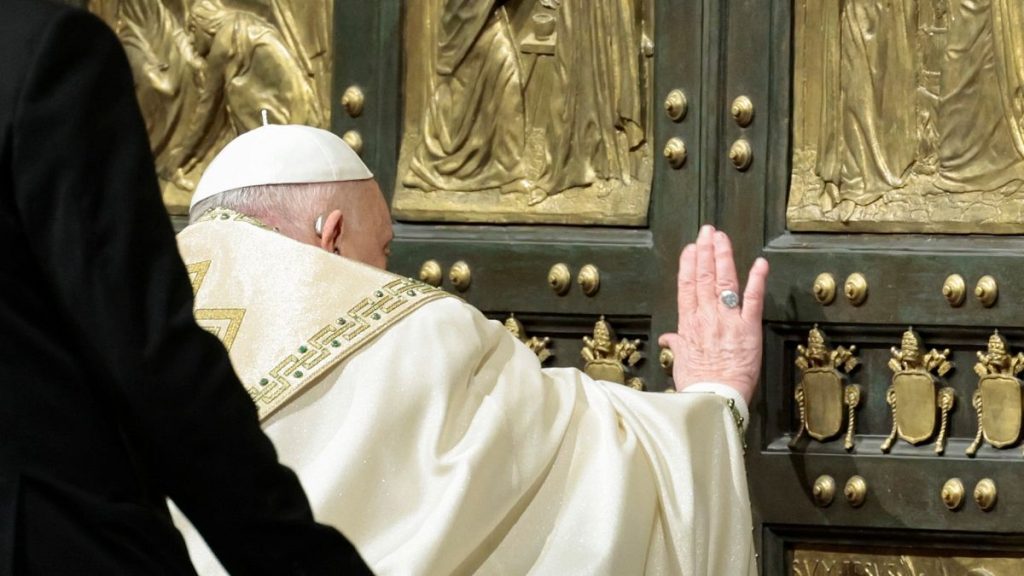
column 111, row 398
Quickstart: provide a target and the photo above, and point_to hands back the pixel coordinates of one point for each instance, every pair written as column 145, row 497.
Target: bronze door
column 883, row 189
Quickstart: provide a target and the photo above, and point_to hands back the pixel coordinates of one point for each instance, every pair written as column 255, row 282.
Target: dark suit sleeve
column 85, row 191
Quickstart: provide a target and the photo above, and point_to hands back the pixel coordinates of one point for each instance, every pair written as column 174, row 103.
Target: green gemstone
column 411, row 292
column 298, row 374
column 378, row 293
column 264, row 381
column 335, row 343
column 225, row 216
column 376, row 316
column 342, row 321
column 303, row 349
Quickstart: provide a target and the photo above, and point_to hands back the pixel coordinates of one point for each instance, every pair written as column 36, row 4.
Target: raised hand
column 716, row 342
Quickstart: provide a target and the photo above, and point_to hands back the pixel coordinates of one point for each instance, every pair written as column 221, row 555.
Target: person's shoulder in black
column 111, row 398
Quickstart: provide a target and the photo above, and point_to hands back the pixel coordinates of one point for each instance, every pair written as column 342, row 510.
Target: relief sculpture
column 871, row 561
column 527, row 111
column 908, row 116
column 205, row 70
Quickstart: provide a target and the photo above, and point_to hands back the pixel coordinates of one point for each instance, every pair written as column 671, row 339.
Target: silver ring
column 729, row 298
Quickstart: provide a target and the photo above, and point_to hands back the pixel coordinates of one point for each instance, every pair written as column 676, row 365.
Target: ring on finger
column 729, row 298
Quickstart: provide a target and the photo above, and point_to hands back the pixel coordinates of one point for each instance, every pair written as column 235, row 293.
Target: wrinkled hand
column 715, row 343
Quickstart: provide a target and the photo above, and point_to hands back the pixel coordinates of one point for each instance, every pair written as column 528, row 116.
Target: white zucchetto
column 280, row 154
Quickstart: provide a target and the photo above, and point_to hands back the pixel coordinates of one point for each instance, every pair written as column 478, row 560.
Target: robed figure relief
column 527, row 111
column 908, row 116
column 866, row 145
column 206, row 70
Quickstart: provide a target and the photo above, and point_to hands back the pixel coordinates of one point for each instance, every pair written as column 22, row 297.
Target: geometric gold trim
column 197, row 273
column 210, row 318
column 337, row 341
column 223, row 323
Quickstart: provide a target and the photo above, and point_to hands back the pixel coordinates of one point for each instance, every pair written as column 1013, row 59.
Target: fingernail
column 706, row 230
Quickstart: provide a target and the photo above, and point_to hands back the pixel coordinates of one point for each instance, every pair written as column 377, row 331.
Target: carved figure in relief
column 166, row 69
column 982, row 106
column 306, row 29
column 596, row 130
column 909, row 116
column 272, row 54
column 868, row 137
column 809, row 562
column 250, row 69
column 473, row 132
column 536, row 97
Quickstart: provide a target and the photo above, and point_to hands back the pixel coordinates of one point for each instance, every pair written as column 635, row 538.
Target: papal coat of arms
column 609, row 360
column 916, row 404
column 998, row 397
column 823, row 395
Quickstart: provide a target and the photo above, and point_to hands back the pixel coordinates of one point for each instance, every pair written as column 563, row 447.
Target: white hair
column 299, row 204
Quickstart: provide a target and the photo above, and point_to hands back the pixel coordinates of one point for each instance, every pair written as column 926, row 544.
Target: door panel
column 510, row 263
column 903, row 512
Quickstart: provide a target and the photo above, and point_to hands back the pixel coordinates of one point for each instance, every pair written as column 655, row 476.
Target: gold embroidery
column 197, row 273
column 223, row 323
column 220, row 213
column 339, row 340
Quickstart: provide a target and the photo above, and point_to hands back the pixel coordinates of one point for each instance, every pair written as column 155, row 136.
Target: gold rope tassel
column 852, row 400
column 976, row 402
column 890, row 398
column 945, row 404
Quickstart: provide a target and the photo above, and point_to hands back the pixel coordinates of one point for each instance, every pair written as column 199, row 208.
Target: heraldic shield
column 998, row 400
column 823, row 395
column 913, row 397
column 607, row 369
column 1001, row 397
column 914, row 394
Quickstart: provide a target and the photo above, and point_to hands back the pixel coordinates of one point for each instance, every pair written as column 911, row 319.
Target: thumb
column 669, row 339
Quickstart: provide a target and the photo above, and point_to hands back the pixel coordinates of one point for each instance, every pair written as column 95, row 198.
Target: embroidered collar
column 221, row 213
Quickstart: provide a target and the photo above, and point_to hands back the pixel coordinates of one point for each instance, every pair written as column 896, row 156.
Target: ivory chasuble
column 431, row 437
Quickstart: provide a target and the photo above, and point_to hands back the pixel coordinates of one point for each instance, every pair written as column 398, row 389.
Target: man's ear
column 331, row 232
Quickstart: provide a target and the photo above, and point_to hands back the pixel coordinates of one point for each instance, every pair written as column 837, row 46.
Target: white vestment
column 437, row 444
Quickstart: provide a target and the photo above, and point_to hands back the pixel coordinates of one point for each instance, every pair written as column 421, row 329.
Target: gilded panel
column 206, row 70
column 908, row 116
column 872, row 562
column 527, row 111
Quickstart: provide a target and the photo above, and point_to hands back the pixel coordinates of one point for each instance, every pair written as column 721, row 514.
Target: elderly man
column 430, row 435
